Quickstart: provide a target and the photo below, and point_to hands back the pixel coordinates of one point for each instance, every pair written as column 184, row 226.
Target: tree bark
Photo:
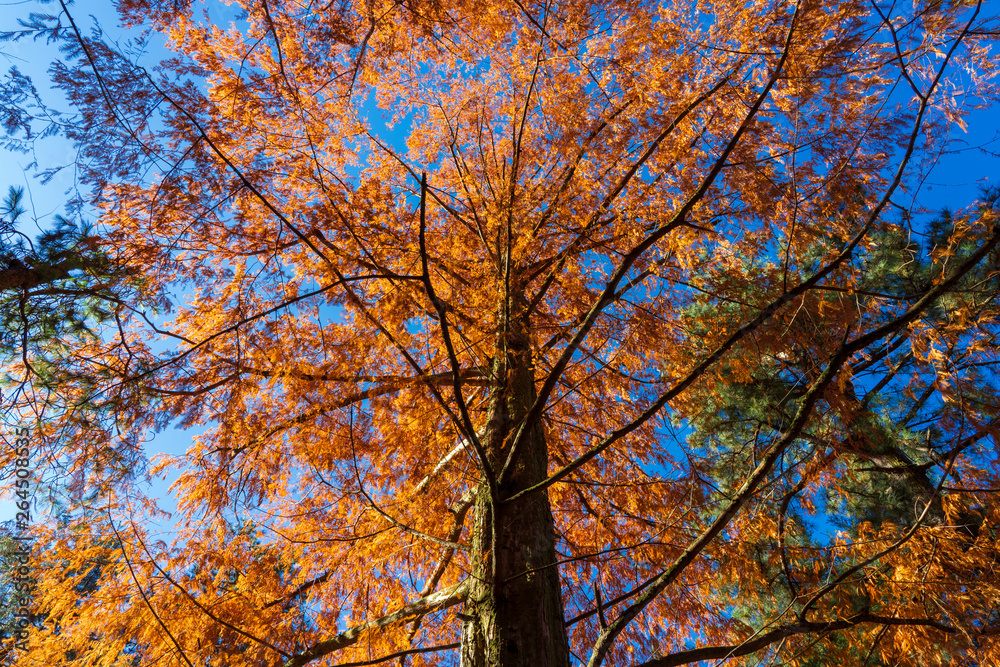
column 17, row 275
column 514, row 612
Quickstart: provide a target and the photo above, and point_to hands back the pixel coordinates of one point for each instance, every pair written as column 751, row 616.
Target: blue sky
column 45, row 200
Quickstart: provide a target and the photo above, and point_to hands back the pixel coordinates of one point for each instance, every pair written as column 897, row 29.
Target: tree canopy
column 526, row 333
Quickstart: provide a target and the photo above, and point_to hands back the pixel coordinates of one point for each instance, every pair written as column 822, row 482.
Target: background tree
column 584, row 317
column 45, row 267
column 55, row 291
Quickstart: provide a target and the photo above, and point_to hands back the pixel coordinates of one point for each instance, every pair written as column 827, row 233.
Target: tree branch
column 440, row 600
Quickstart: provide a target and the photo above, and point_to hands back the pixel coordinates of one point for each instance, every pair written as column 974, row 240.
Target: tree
column 53, row 290
column 528, row 334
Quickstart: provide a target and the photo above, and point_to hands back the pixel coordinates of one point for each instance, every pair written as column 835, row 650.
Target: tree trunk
column 514, row 612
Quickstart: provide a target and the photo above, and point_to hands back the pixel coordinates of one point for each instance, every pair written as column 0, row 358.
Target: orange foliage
column 666, row 216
